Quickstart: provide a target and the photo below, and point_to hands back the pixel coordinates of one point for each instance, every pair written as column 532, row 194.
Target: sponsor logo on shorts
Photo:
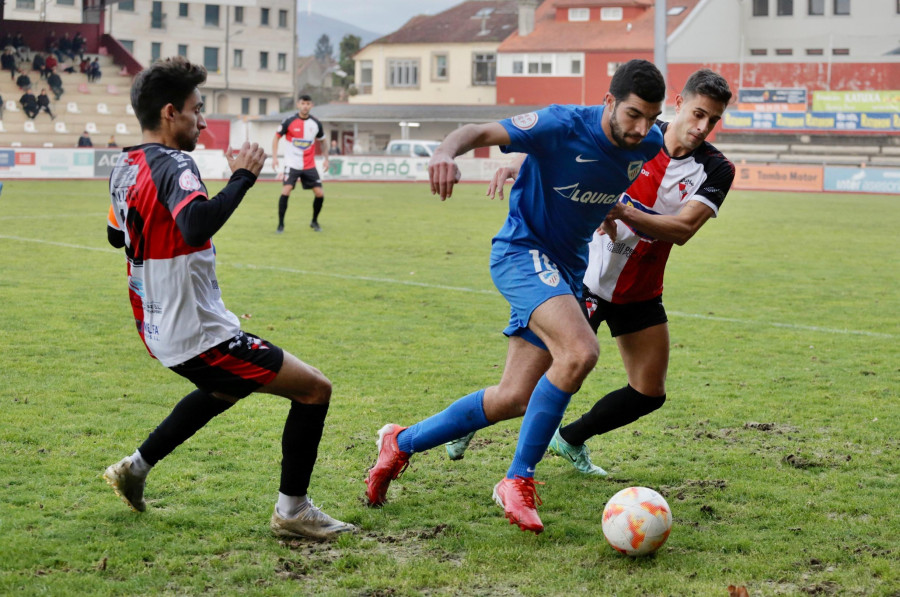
column 590, row 305
column 525, row 121
column 188, row 181
column 550, row 277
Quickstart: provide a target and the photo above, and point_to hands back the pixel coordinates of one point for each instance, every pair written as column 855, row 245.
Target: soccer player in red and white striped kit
column 675, row 194
column 162, row 216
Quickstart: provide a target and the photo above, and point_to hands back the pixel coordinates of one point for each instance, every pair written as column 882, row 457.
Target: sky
column 380, row 16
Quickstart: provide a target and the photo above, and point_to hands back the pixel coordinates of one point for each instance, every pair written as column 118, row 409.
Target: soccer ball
column 637, row 521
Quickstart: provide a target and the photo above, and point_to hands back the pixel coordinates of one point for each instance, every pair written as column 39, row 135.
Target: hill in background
column 311, row 26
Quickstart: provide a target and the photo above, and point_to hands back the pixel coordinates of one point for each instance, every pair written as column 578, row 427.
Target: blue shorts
column 527, row 278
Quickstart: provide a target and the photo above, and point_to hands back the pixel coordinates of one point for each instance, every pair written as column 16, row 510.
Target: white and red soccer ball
column 637, row 521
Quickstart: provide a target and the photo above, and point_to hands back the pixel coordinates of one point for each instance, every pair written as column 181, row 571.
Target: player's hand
column 443, row 173
column 325, row 165
column 275, row 163
column 250, row 157
column 499, row 179
column 609, row 228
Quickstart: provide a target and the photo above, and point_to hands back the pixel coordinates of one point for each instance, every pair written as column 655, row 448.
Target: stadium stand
column 75, row 111
column 835, row 150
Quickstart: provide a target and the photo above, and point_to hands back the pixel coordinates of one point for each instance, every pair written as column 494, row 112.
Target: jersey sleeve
column 177, row 180
column 321, row 133
column 537, row 132
column 283, row 127
column 718, row 182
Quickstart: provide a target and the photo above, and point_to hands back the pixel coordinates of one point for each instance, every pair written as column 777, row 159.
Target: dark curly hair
column 168, row 81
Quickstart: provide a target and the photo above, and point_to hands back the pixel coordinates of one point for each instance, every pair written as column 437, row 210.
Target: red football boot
column 517, row 497
column 390, row 464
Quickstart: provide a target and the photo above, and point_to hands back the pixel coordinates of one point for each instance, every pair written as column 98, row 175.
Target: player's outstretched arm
column 508, row 172
column 443, row 172
column 275, row 153
column 677, row 229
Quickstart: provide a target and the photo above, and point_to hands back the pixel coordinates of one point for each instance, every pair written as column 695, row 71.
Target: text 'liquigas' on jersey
column 631, row 269
column 571, row 178
column 175, row 297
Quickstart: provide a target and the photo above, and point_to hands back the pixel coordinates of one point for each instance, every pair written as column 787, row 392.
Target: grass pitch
column 777, row 448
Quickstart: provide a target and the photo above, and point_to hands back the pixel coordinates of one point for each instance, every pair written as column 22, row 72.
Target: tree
column 349, row 46
column 324, row 50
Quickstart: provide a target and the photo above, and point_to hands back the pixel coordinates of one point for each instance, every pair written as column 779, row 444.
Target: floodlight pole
column 659, row 39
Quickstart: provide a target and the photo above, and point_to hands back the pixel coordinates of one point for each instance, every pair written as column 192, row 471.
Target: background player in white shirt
column 677, row 192
column 303, row 132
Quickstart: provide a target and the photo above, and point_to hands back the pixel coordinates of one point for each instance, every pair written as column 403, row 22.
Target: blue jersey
column 572, row 177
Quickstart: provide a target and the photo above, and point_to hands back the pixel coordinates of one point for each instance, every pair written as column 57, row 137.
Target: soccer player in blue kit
column 580, row 159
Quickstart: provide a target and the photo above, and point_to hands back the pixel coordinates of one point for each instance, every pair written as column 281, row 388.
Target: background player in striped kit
column 161, row 214
column 676, row 193
column 303, row 132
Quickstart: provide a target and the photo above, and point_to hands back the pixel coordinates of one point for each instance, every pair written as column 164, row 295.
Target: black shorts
column 236, row 367
column 309, row 178
column 625, row 318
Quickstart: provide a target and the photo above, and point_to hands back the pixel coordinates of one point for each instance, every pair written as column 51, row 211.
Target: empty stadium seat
column 121, row 129
column 83, row 88
column 2, row 129
column 112, row 89
column 72, row 108
column 29, row 126
column 60, row 127
column 48, row 144
column 91, row 127
column 12, row 106
column 129, row 109
column 102, row 108
column 16, row 144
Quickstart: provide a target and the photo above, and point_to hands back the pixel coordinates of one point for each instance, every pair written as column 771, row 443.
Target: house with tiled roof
column 575, row 46
column 447, row 58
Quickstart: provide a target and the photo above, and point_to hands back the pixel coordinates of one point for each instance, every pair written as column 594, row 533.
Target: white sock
column 139, row 466
column 291, row 506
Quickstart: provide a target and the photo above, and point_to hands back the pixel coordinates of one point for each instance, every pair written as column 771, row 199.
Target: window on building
column 263, row 106
column 282, row 19
column 245, row 105
column 182, row 50
column 155, row 50
column 403, row 72
column 157, row 17
column 238, row 61
column 814, row 52
column 758, row 51
column 29, row 4
column 128, row 44
column 785, row 8
column 282, row 61
column 484, row 68
column 439, row 71
column 816, row 8
column 540, row 65
column 364, row 85
column 203, row 104
column 239, row 14
column 760, row 8
column 611, row 13
column 263, row 61
column 211, row 59
column 841, row 51
column 264, row 17
column 65, row 2
column 784, row 52
column 842, row 7
column 576, row 67
column 518, row 66
column 612, row 67
column 579, row 14
column 183, row 9
column 212, row 15
column 124, row 5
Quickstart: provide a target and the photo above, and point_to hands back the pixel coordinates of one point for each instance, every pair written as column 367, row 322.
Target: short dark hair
column 708, row 83
column 304, row 98
column 168, row 81
column 639, row 77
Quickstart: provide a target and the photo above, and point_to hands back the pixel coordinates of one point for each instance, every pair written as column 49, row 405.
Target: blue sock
column 543, row 415
column 458, row 419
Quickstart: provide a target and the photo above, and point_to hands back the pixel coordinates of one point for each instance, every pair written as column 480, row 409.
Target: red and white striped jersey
column 175, row 297
column 632, row 268
column 301, row 135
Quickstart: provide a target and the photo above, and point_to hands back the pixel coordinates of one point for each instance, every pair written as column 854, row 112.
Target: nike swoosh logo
column 581, row 160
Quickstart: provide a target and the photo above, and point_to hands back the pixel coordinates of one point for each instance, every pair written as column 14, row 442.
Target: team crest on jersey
column 301, row 143
column 684, row 187
column 634, row 168
column 525, row 121
column 188, row 181
column 550, row 277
